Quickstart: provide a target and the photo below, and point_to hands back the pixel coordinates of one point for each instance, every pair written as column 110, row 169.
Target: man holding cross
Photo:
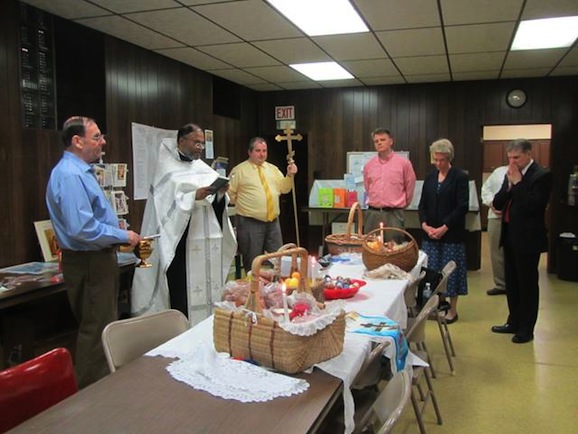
column 255, row 189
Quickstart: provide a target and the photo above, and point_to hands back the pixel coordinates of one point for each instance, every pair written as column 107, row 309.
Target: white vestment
column 210, row 251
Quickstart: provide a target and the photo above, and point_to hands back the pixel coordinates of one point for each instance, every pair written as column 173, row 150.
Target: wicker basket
column 405, row 257
column 348, row 242
column 261, row 339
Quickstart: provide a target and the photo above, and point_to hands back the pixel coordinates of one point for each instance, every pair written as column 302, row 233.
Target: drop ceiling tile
column 251, row 20
column 476, row 75
column 552, row 8
column 476, row 62
column 396, row 14
column 185, row 26
column 238, row 76
column 526, row 72
column 124, row 6
column 278, row 74
column 479, row 38
column 195, row 58
column 241, row 54
column 351, row 47
column 376, row 81
column 571, row 59
column 370, row 68
column 202, row 2
column 427, row 78
column 128, row 31
column 414, row 42
column 296, row 85
column 534, row 58
column 422, row 65
column 563, row 71
column 70, row 9
column 341, row 83
column 266, row 87
column 480, row 11
column 298, row 50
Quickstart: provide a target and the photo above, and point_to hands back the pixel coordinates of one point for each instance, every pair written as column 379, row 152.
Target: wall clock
column 516, row 98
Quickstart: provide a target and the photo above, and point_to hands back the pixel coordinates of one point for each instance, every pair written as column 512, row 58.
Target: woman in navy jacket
column 442, row 214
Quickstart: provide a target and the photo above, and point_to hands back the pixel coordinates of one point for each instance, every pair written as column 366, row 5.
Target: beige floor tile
column 501, row 387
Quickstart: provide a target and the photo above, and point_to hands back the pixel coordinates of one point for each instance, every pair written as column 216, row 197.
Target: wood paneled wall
column 340, row 120
column 141, row 87
column 144, row 87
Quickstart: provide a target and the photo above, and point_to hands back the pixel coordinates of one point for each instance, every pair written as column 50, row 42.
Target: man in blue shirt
column 88, row 234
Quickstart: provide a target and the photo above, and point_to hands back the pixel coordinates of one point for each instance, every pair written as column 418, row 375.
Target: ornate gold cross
column 289, row 137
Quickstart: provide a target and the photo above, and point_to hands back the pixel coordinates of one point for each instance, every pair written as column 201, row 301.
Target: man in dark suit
column 522, row 199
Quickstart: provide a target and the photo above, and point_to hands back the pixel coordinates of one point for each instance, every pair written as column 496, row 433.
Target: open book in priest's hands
column 218, row 183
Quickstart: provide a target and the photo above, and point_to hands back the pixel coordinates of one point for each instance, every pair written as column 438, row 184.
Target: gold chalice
column 143, row 251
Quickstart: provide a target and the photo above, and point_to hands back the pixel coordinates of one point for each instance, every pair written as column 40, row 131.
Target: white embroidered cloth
column 227, row 378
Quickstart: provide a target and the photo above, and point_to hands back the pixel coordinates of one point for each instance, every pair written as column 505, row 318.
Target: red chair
column 33, row 386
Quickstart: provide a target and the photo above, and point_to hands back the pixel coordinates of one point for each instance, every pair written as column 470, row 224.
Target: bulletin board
column 356, row 161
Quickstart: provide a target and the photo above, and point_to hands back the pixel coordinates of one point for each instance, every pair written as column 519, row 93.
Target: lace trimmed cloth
column 202, row 368
column 228, row 378
column 388, row 271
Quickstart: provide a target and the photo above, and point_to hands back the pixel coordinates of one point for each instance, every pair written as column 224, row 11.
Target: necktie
column 268, row 196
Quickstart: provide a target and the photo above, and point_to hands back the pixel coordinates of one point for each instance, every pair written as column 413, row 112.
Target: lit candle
column 381, row 227
column 285, row 306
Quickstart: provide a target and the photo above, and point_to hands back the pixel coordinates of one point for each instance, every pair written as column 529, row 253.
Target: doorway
column 496, row 138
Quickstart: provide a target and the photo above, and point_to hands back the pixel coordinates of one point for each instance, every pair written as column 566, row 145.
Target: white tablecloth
column 377, row 297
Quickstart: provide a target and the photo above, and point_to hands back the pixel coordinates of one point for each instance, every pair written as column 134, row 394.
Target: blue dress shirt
column 82, row 217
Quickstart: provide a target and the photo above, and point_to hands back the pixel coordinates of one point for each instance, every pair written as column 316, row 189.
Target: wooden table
column 143, row 398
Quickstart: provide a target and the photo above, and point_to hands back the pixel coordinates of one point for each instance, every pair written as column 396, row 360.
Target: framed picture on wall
column 47, row 240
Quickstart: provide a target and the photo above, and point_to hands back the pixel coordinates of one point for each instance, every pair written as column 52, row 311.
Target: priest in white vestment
column 192, row 257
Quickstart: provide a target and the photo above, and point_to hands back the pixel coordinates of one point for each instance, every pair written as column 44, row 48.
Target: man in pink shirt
column 389, row 182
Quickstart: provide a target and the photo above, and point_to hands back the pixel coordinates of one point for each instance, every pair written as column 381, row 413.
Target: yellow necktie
column 268, row 196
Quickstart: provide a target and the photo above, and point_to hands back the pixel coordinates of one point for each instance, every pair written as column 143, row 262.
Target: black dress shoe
column 496, row 291
column 451, row 320
column 506, row 328
column 522, row 339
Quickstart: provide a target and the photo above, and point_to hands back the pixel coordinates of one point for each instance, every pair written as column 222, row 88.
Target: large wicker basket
column 254, row 337
column 405, row 257
column 348, row 242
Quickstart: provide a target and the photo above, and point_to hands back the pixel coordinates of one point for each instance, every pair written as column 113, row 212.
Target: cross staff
column 289, row 137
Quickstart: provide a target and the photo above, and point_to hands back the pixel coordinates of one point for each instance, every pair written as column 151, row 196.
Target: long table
column 143, row 398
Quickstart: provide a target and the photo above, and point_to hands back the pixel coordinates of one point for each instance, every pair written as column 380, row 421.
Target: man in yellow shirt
column 255, row 189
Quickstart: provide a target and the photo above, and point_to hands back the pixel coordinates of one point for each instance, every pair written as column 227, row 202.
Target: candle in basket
column 285, row 306
column 313, row 271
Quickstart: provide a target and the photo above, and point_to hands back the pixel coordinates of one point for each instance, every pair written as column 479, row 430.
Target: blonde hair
column 442, row 146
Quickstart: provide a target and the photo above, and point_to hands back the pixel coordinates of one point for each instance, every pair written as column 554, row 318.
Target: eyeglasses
column 195, row 142
column 97, row 137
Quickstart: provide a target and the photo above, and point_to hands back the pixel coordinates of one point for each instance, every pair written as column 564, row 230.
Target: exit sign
column 286, row 112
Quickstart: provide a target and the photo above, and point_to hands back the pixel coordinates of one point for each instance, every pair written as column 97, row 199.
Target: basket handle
column 253, row 302
column 389, row 228
column 355, row 207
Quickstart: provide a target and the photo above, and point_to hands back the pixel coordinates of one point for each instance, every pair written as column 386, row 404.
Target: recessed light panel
column 321, row 17
column 321, row 71
column 546, row 33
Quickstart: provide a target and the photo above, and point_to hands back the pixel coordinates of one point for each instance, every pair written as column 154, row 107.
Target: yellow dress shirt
column 247, row 193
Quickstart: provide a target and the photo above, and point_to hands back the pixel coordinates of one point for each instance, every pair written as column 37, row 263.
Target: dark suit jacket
column 529, row 198
column 449, row 206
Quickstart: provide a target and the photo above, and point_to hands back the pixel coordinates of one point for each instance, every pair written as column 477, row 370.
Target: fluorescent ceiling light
column 321, row 17
column 322, row 71
column 546, row 33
